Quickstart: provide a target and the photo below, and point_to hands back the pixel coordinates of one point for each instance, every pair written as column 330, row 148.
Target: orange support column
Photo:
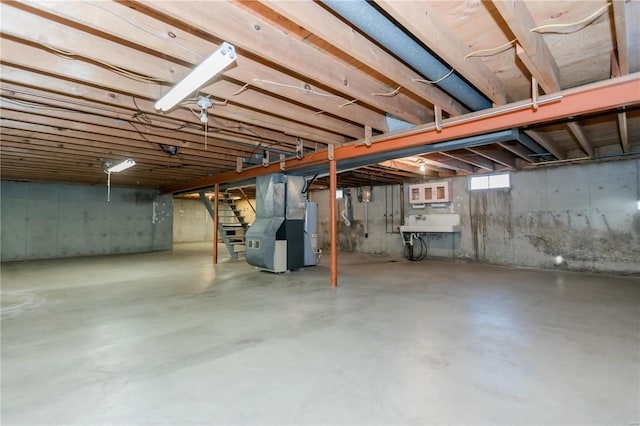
column 215, row 223
column 333, row 226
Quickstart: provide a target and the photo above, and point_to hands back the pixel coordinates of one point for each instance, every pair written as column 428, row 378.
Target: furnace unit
column 275, row 241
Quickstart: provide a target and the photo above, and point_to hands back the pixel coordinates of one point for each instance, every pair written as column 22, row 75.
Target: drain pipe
column 373, row 23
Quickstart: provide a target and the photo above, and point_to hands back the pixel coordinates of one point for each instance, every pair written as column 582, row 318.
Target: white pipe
column 366, row 220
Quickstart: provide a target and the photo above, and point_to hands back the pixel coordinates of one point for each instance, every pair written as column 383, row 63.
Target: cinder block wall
column 41, row 220
column 588, row 214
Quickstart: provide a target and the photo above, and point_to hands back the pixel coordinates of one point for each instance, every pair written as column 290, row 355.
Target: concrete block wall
column 384, row 217
column 588, row 214
column 41, row 220
column 191, row 221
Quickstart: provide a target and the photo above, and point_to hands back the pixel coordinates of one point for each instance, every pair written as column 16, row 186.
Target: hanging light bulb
column 204, row 118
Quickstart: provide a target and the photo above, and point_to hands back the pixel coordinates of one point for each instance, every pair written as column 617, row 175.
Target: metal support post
column 333, row 225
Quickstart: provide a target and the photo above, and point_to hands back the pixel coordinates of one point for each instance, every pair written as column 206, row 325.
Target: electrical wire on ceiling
column 32, row 105
column 492, row 50
column 552, row 28
column 541, row 29
column 167, row 39
column 118, row 70
column 419, row 80
column 139, row 116
column 308, row 90
column 389, row 94
column 50, row 98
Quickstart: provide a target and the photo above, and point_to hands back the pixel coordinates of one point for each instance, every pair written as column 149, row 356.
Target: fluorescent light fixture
column 122, row 166
column 638, row 204
column 208, row 69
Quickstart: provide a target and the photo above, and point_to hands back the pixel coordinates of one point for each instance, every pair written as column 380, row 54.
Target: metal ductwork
column 374, row 24
column 275, row 240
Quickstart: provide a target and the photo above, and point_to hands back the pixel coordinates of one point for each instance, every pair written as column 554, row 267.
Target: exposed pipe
column 366, row 220
column 373, row 23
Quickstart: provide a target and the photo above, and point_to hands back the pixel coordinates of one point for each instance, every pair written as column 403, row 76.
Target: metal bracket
column 238, row 164
column 534, row 93
column 330, row 153
column 282, row 162
column 299, row 149
column 367, row 135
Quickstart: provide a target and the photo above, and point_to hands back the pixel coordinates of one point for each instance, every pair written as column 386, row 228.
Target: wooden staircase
column 231, row 223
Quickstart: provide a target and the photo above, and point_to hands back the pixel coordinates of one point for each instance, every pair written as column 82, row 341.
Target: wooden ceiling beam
column 63, row 159
column 79, row 92
column 536, row 56
column 53, row 132
column 261, row 38
column 414, row 171
column 116, row 127
column 70, row 163
column 42, row 170
column 623, row 130
column 620, row 26
column 547, row 143
column 422, row 20
column 33, row 28
column 581, row 138
column 441, row 160
column 471, row 158
column 325, row 25
column 39, row 99
column 192, row 49
column 518, row 149
column 395, row 173
column 97, row 133
column 36, row 59
column 534, row 52
column 52, row 143
column 495, row 155
column 620, row 66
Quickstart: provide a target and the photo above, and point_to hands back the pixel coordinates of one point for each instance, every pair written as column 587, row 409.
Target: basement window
column 501, row 180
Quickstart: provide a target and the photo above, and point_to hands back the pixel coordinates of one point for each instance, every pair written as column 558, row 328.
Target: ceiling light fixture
column 120, row 167
column 220, row 59
column 108, row 169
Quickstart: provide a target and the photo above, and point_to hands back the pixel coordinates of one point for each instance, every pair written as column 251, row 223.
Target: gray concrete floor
column 166, row 338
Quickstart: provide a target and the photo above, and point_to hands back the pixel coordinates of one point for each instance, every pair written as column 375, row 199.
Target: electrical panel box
column 431, row 192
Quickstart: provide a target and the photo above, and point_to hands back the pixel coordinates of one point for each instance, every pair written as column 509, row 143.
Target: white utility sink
column 432, row 223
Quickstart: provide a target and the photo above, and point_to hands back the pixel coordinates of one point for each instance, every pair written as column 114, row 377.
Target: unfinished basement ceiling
column 79, row 80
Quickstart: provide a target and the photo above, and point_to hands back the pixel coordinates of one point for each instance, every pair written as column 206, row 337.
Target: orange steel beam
column 215, row 223
column 603, row 96
column 333, row 226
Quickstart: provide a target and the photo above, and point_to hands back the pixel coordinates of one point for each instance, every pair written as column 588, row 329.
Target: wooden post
column 333, row 226
column 215, row 223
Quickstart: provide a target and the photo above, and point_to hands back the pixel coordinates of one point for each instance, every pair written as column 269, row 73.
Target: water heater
column 311, row 251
